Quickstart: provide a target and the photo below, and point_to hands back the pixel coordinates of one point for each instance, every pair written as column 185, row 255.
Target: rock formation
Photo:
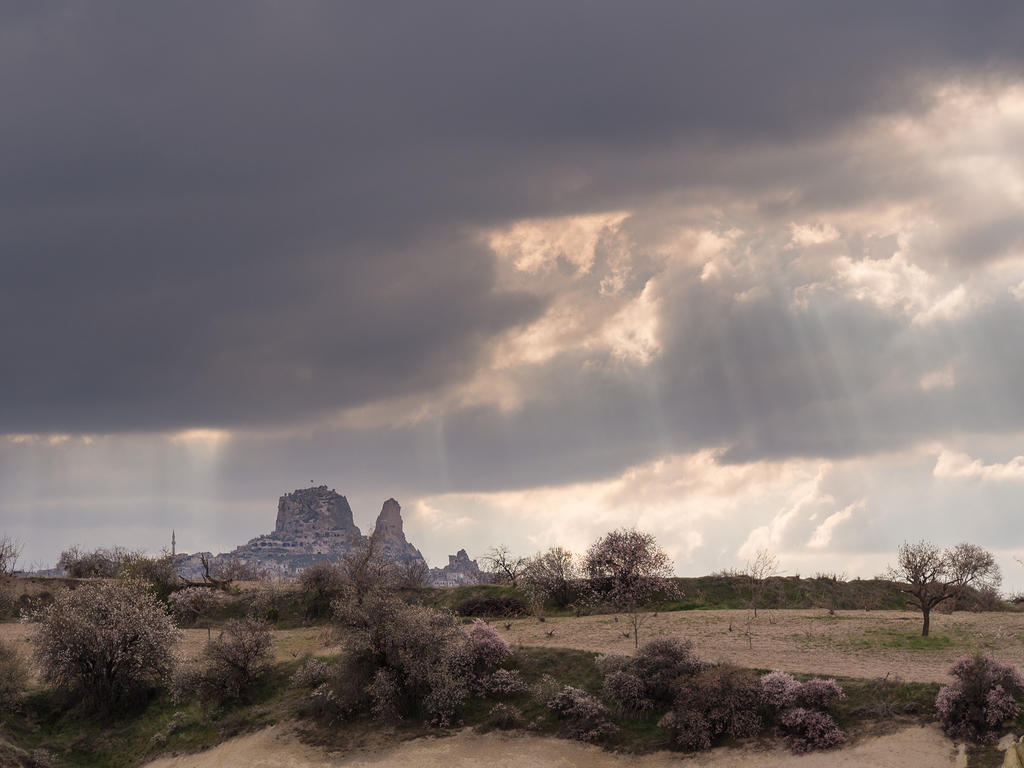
column 460, row 570
column 315, row 524
column 312, row 524
column 389, row 532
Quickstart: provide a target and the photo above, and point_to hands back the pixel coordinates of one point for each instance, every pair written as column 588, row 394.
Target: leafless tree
column 758, row 571
column 10, row 551
column 932, row 575
column 499, row 560
column 551, row 576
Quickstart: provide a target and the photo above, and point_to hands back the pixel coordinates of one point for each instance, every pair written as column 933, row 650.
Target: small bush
column 504, row 682
column 778, row 691
column 626, row 690
column 652, row 676
column 818, row 694
column 13, row 676
column 662, row 662
column 482, row 650
column 609, row 663
column 587, row 718
column 717, row 701
column 321, row 584
column 492, row 607
column 806, row 730
column 311, row 673
column 981, row 698
column 189, row 605
column 544, row 689
column 267, row 601
column 232, row 664
column 505, row 717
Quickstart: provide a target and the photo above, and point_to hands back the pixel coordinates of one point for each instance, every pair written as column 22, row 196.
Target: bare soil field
column 865, row 644
column 277, row 747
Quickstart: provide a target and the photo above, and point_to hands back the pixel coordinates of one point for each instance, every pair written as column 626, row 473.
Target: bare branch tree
column 758, row 571
column 933, row 575
column 499, row 560
column 10, row 551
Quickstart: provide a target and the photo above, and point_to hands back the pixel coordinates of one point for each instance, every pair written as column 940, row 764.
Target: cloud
column 822, row 535
column 952, row 465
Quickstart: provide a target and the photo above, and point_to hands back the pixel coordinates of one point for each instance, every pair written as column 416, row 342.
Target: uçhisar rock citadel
column 316, row 524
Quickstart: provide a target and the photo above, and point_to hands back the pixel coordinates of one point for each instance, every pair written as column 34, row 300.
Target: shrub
column 231, row 665
column 100, row 563
column 504, row 682
column 806, row 730
column 544, row 689
column 626, row 690
column 505, row 716
column 587, row 718
column 311, row 673
column 8, row 604
column 267, row 601
column 321, row 584
column 652, row 676
column 778, row 691
column 608, row 663
column 981, row 698
column 193, row 603
column 13, row 675
column 492, row 607
column 405, row 660
column 715, row 702
column 482, row 650
column 661, row 662
column 104, row 641
column 819, row 694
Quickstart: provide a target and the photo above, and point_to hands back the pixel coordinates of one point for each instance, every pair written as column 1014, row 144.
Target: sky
column 743, row 275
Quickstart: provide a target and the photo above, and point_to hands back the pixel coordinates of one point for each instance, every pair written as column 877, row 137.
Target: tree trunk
column 927, row 621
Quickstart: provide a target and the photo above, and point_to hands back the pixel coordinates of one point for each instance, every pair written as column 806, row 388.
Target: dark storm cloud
column 230, row 215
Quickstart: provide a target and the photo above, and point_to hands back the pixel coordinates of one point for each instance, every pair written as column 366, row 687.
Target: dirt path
column 277, row 748
column 864, row 644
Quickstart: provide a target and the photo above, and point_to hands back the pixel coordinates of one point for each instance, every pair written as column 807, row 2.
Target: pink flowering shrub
column 799, row 710
column 980, row 699
column 806, row 730
column 483, row 649
column 716, row 702
column 778, row 691
column 504, row 682
column 781, row 691
column 627, row 691
column 587, row 718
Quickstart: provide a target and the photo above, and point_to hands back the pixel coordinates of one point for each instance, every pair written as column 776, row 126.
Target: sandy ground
column 851, row 643
column 277, row 747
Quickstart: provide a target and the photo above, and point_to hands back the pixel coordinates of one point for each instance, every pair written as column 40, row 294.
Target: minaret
column 172, row 543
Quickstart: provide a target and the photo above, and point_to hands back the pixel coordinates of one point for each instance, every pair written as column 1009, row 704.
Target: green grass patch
column 892, row 638
column 78, row 738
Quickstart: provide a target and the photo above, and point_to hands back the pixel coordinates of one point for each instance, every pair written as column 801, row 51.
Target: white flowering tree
column 105, row 640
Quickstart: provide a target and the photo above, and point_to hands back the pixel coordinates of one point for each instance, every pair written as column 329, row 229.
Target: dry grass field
column 866, row 644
